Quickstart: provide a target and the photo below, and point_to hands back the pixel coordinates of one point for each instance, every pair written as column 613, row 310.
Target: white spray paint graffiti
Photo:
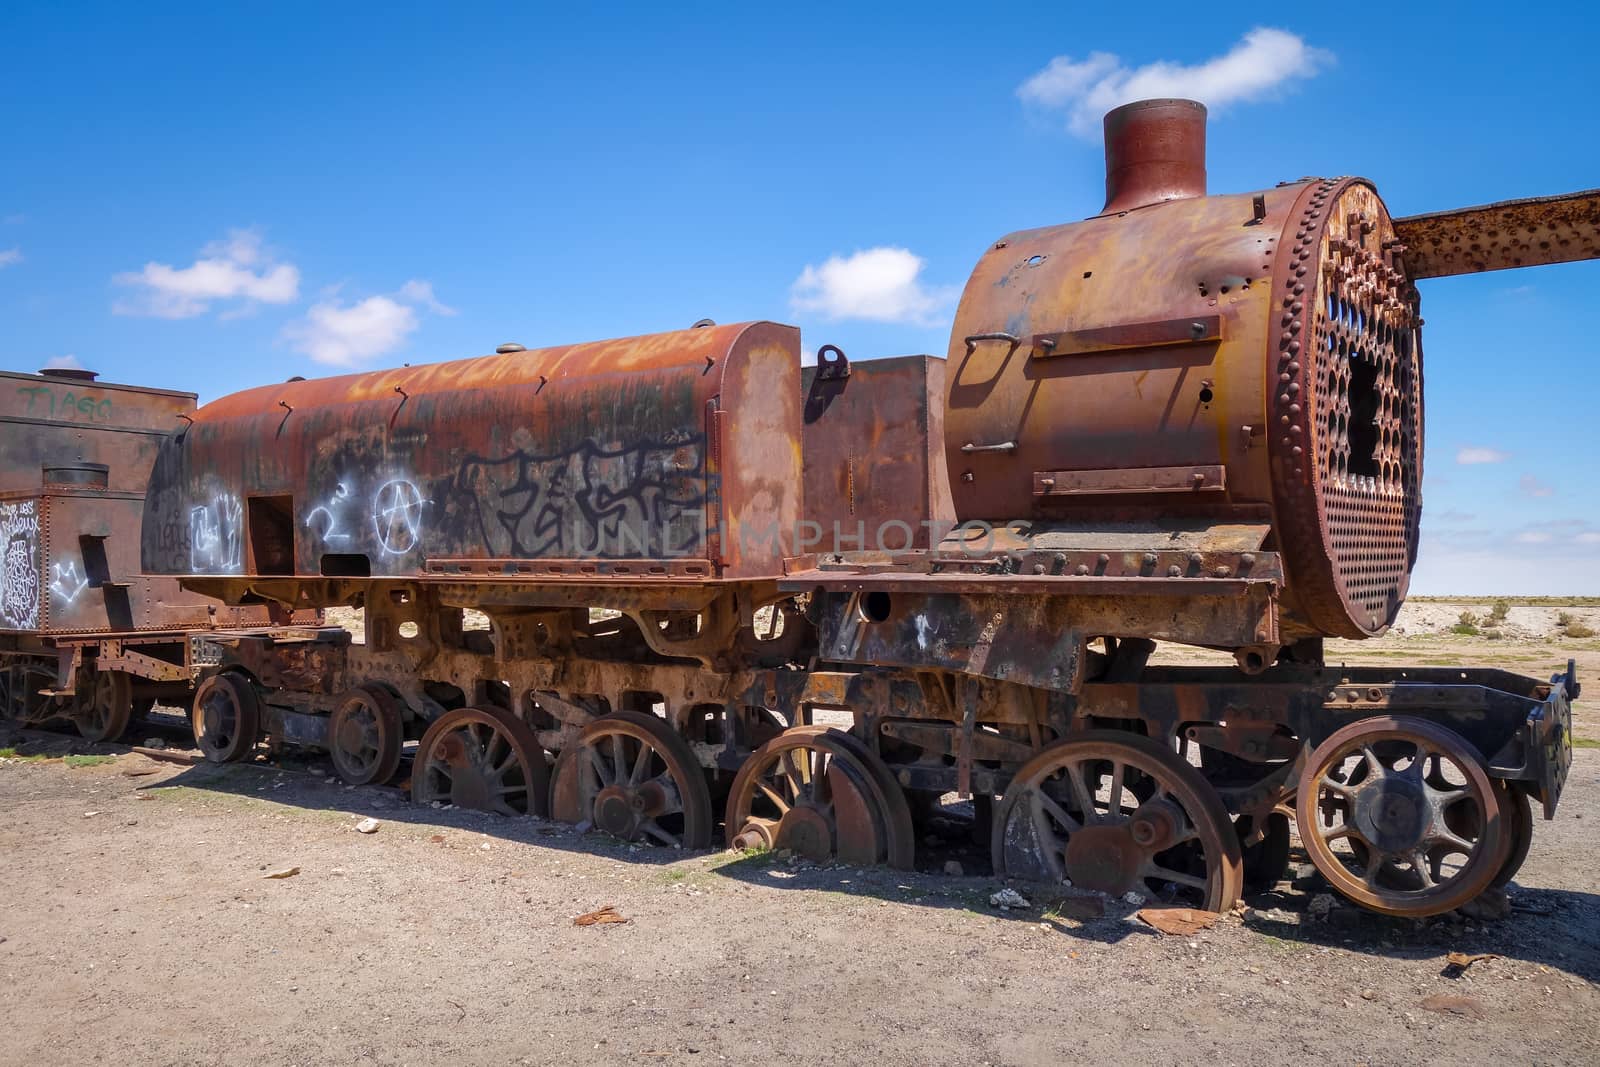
column 216, row 536
column 332, row 532
column 397, row 516
column 19, row 571
column 67, row 581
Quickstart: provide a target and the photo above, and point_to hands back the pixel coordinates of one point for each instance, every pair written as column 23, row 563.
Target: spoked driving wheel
column 225, row 718
column 1119, row 813
column 364, row 735
column 104, row 716
column 486, row 759
column 822, row 794
column 1400, row 816
column 631, row 775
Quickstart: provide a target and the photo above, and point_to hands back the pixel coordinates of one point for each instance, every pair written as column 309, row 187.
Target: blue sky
column 214, row 196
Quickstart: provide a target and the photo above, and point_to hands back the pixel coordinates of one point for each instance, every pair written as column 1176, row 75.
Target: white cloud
column 10, row 257
column 235, row 268
column 1533, row 537
column 347, row 335
column 1474, row 454
column 421, row 292
column 879, row 284
column 1085, row 90
column 1532, row 486
column 66, row 362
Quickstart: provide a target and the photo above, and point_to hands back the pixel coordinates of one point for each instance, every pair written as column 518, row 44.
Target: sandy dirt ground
column 140, row 925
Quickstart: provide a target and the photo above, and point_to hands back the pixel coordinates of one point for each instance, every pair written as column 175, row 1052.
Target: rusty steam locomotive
column 804, row 604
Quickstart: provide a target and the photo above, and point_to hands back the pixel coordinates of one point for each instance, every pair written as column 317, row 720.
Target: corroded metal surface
column 874, row 456
column 677, row 449
column 75, row 455
column 1511, row 233
column 1274, row 376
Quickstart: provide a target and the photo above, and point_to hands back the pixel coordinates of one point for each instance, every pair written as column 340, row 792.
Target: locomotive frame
column 1230, row 461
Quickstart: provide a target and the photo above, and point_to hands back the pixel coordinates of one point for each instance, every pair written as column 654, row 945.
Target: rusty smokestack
column 1155, row 151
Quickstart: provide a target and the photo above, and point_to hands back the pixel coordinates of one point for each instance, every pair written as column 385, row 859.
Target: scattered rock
column 1492, row 905
column 1321, row 906
column 287, row 872
column 1369, row 994
column 368, row 826
column 1008, row 898
column 1272, row 915
column 953, row 868
column 1467, row 1007
column 1082, row 908
column 154, row 742
column 1130, row 897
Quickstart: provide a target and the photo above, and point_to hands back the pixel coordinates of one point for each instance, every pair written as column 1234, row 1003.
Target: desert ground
column 143, row 923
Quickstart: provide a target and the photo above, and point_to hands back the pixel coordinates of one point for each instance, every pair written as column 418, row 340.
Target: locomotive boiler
column 654, row 584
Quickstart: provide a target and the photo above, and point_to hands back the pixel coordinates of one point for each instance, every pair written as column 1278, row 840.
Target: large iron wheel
column 105, row 715
column 821, row 793
column 225, row 718
column 631, row 775
column 364, row 735
column 1400, row 816
column 486, row 759
column 1118, row 813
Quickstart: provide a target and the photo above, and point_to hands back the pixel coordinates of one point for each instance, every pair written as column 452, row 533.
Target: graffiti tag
column 69, row 405
column 19, row 573
column 67, row 581
column 216, row 536
column 397, row 516
column 597, row 500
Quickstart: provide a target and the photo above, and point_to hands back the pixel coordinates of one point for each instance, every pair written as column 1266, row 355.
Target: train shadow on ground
column 1552, row 927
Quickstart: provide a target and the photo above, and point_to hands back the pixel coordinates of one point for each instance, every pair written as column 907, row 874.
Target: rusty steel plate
column 1500, row 236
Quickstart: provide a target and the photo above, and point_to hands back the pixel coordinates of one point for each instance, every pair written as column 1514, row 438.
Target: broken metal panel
column 874, row 455
column 1503, row 235
column 678, row 448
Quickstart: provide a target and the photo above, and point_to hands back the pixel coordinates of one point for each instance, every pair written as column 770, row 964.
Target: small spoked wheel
column 485, row 759
column 1519, row 824
column 1119, row 813
column 822, row 794
column 364, row 735
column 1400, row 816
column 225, row 718
column 631, row 775
column 104, row 716
column 1266, row 860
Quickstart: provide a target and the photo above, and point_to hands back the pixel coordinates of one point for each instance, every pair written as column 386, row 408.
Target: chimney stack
column 1155, row 151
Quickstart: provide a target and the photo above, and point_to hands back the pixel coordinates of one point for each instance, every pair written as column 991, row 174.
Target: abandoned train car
column 86, row 636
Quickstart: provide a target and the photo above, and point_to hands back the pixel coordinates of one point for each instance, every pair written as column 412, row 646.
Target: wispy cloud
column 421, row 292
column 879, row 284
column 1262, row 61
column 1531, row 486
column 66, row 362
column 348, row 335
column 1475, row 454
column 10, row 257
column 236, row 269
